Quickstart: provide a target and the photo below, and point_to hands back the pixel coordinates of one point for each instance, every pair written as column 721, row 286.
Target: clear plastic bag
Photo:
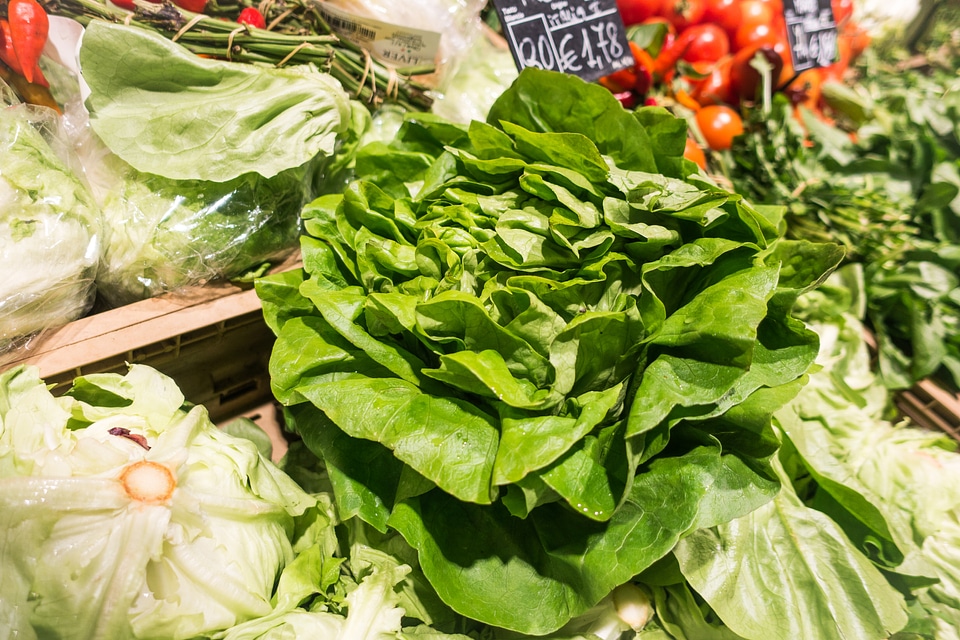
column 50, row 230
column 161, row 235
column 457, row 21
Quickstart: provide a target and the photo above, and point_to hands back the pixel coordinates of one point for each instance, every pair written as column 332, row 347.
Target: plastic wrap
column 50, row 230
column 478, row 81
column 161, row 235
column 457, row 21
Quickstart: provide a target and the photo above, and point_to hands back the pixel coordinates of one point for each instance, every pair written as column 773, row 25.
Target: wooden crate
column 212, row 340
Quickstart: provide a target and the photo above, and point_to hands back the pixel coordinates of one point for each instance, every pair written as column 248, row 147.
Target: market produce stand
column 210, row 338
column 651, row 338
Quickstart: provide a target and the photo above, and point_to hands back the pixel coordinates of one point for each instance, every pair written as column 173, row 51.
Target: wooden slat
column 119, row 331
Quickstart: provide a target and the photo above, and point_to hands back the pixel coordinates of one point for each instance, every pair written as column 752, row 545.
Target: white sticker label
column 391, row 44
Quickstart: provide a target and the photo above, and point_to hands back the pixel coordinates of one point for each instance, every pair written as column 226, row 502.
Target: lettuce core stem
column 148, row 482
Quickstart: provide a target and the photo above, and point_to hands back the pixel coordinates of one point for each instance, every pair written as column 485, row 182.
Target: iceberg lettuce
column 49, row 233
column 125, row 514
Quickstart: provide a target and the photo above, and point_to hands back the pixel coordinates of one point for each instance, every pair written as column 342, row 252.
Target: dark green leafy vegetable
column 891, row 197
column 541, row 348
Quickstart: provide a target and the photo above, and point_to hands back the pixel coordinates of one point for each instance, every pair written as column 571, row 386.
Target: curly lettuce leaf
column 530, row 324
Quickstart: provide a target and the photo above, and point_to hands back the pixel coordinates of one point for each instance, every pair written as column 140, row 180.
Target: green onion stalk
column 298, row 35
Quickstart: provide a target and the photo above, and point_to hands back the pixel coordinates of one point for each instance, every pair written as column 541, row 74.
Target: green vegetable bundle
column 891, row 196
column 297, row 35
column 541, row 348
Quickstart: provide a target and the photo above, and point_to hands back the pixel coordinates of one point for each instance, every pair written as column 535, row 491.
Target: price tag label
column 811, row 33
column 391, row 44
column 583, row 38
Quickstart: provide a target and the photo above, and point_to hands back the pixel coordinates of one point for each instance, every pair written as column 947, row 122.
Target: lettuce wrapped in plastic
column 201, row 166
column 125, row 515
column 165, row 234
column 50, row 232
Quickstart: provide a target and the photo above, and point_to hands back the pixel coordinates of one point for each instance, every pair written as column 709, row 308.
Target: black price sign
column 811, row 33
column 586, row 39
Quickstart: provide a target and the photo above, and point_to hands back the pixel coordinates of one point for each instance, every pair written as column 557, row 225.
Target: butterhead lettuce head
column 124, row 514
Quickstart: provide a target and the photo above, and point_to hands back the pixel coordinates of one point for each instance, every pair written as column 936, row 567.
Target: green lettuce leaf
column 788, row 571
column 168, row 112
column 532, row 326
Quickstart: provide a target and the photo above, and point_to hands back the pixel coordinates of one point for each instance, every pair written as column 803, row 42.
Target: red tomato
column 636, row 11
column 719, row 125
column 195, row 6
column 693, row 152
column 756, row 12
column 682, row 13
column 252, row 17
column 716, row 87
column 704, row 43
column 723, row 13
column 753, row 33
column 776, row 6
column 671, row 30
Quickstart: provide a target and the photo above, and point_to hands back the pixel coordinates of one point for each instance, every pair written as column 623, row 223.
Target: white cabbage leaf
column 124, row 514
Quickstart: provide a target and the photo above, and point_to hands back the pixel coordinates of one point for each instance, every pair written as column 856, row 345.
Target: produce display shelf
column 211, row 340
column 926, row 403
column 932, row 407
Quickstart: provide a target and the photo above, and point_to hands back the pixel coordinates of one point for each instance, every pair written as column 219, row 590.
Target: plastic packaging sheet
column 457, row 21
column 50, row 229
column 161, row 235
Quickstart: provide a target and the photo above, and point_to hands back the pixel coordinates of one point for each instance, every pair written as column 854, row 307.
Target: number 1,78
column 592, row 45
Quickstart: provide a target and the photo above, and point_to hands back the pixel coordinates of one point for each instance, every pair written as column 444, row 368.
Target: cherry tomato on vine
column 682, row 13
column 636, row 11
column 719, row 125
column 704, row 43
